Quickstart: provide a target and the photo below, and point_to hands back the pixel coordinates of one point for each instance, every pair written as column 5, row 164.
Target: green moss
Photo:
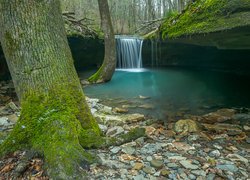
column 52, row 124
column 10, row 42
column 206, row 16
column 96, row 78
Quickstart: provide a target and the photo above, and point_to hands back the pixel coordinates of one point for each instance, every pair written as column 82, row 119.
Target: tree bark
column 107, row 69
column 55, row 119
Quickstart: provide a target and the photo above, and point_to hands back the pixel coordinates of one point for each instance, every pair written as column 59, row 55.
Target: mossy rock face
column 211, row 22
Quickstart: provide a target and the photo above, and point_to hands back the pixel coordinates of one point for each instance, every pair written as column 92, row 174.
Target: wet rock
column 241, row 117
column 148, row 170
column 165, row 172
column 182, row 146
column 21, row 167
column 143, row 97
column 156, row 163
column 172, row 165
column 177, row 158
column 120, row 110
column 4, row 121
column 115, row 150
column 246, row 128
column 128, row 150
column 188, row 165
column 199, row 172
column 138, row 166
column 183, row 127
column 103, row 128
column 149, row 158
column 221, row 115
column 193, row 137
column 114, row 131
column 227, row 167
column 214, row 153
column 149, row 130
column 210, row 176
column 237, row 157
column 146, row 106
column 12, row 118
column 191, row 177
column 230, row 129
column 13, row 106
column 139, row 177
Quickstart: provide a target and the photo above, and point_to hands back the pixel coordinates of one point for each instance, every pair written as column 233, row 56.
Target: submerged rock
column 186, row 126
column 219, row 116
column 230, row 129
column 188, row 165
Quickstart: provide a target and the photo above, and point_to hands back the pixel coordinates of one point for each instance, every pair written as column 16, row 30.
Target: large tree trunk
column 55, row 119
column 107, row 69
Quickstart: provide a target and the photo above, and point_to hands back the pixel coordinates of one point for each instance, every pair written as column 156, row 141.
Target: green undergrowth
column 205, row 16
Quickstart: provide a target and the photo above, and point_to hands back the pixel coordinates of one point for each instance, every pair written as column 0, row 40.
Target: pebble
column 191, row 176
column 172, row 165
column 149, row 170
column 138, row 166
column 156, row 163
column 214, row 153
column 115, row 150
column 188, row 165
column 227, row 167
column 199, row 172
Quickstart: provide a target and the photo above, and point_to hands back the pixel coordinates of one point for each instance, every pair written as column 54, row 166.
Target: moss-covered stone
column 206, row 16
column 220, row 23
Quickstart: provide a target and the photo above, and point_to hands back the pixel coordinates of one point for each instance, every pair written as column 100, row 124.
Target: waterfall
column 128, row 50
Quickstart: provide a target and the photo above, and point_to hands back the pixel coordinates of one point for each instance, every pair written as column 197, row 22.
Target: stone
column 114, row 131
column 217, row 146
column 149, row 170
column 13, row 106
column 156, row 163
column 210, row 176
column 214, row 153
column 172, row 165
column 21, row 167
column 227, row 167
column 103, row 128
column 149, row 158
column 12, row 118
column 191, row 177
column 149, row 130
column 143, row 97
column 177, row 158
column 246, row 128
column 219, row 116
column 138, row 166
column 139, row 177
column 230, row 129
column 237, row 157
column 115, row 150
column 186, row 126
column 4, row 121
column 188, row 165
column 193, row 137
column 165, row 172
column 120, row 110
column 182, row 146
column 128, row 150
column 146, row 106
column 241, row 117
column 199, row 172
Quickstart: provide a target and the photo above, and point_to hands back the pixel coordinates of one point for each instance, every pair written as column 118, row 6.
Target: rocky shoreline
column 211, row 146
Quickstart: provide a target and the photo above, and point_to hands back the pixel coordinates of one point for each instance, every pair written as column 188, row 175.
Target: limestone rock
column 183, row 127
column 230, row 129
column 219, row 116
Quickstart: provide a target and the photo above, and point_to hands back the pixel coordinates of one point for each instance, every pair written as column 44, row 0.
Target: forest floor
column 212, row 146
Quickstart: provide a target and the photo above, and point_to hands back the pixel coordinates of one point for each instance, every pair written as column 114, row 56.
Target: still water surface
column 172, row 91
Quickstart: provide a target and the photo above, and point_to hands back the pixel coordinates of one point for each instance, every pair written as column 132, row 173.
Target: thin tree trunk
column 107, row 69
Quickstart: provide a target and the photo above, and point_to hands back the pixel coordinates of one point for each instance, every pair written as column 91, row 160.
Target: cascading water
column 128, row 50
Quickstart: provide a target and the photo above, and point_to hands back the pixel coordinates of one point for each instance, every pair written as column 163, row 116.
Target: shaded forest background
column 128, row 16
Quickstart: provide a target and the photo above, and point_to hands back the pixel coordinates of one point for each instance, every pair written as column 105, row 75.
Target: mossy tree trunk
column 55, row 119
column 107, row 69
